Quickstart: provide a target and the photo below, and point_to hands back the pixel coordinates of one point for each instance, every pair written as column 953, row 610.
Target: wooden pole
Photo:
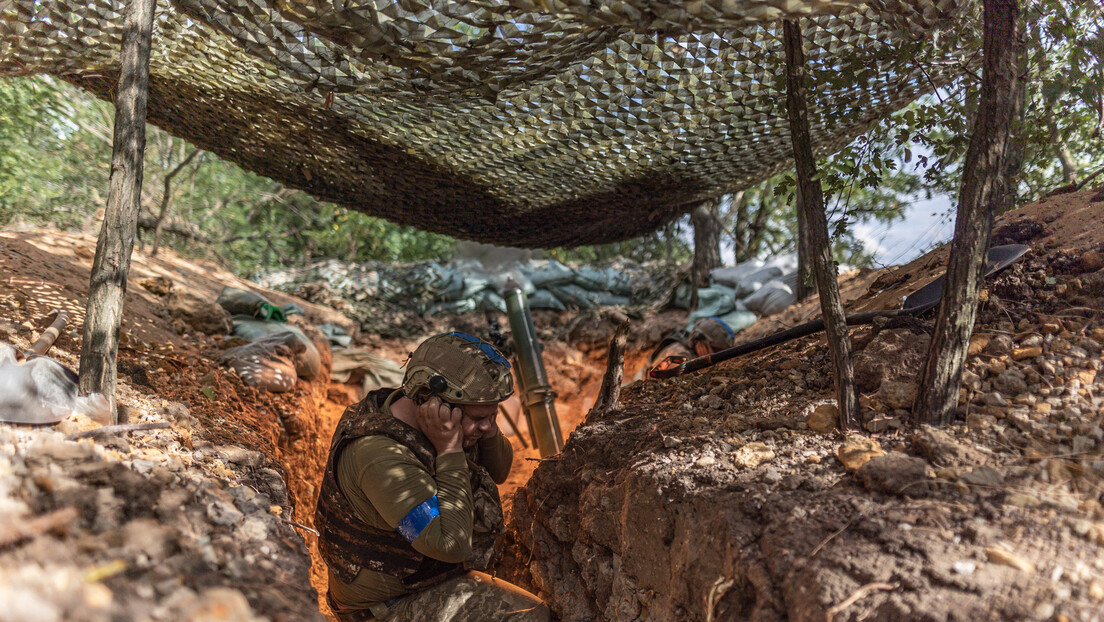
column 108, row 283
column 811, row 206
column 978, row 199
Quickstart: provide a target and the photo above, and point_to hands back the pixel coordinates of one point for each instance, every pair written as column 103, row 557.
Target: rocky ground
column 729, row 494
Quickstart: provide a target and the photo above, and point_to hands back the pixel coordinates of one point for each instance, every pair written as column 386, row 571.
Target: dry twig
column 120, row 429
column 859, row 594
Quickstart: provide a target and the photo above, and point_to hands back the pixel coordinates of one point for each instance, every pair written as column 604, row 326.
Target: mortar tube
column 537, row 397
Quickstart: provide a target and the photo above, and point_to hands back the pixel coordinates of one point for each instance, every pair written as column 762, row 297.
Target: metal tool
column 923, row 299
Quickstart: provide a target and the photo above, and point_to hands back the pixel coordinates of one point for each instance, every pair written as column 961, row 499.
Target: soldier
column 708, row 335
column 409, row 507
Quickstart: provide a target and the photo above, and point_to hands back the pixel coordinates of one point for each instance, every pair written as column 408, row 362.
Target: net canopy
column 522, row 122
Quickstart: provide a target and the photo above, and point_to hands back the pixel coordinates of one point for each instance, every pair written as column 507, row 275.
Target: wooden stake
column 978, row 199
column 610, row 392
column 811, row 206
column 99, row 348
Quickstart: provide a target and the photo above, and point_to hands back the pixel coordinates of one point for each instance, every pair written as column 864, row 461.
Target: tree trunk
column 1061, row 149
column 805, row 279
column 108, row 283
column 978, row 199
column 811, row 205
column 707, row 241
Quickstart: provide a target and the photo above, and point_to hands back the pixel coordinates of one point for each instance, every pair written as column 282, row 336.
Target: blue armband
column 417, row 519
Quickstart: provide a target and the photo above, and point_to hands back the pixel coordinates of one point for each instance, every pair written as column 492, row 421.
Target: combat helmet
column 459, row 368
column 714, row 332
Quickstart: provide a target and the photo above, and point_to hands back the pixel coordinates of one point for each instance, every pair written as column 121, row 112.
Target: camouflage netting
column 522, row 122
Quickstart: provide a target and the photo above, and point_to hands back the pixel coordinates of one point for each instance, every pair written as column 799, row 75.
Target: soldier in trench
column 708, row 335
column 409, row 506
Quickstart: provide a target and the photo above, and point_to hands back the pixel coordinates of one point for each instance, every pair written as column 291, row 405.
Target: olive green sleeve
column 384, row 481
column 497, row 456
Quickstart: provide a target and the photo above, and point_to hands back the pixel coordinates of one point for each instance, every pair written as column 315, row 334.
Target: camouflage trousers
column 470, row 597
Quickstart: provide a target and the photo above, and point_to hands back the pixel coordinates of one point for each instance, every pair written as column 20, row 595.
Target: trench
column 575, row 369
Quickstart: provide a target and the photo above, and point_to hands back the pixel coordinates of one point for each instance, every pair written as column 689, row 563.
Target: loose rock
column 856, row 453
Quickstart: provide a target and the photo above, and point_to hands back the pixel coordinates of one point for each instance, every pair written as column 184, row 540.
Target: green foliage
column 55, row 160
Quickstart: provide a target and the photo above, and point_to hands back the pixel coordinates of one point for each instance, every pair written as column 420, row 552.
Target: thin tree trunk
column 707, row 241
column 758, row 228
column 108, row 283
column 805, row 277
column 166, row 200
column 978, row 199
column 811, row 205
column 1061, row 149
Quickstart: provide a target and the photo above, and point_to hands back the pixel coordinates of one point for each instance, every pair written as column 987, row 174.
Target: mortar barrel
column 537, row 396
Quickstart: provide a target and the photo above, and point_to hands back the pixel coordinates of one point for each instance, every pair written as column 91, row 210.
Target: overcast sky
column 926, row 224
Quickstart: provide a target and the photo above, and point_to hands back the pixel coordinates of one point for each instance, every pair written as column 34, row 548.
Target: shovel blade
column 997, row 259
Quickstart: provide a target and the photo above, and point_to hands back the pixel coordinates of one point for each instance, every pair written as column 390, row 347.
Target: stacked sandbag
column 267, row 362
column 466, row 285
column 278, row 353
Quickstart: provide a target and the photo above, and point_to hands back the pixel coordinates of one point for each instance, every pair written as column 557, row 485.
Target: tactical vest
column 348, row 544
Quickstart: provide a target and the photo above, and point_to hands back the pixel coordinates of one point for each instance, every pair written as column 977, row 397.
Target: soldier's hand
column 440, row 422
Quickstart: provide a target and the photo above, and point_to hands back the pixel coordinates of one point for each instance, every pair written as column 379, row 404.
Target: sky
column 927, row 222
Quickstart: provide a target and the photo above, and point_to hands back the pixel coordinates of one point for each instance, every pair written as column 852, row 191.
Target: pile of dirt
column 713, row 496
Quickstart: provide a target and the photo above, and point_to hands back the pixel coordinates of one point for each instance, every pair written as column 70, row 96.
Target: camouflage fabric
column 471, row 597
column 522, row 122
column 473, row 370
column 348, row 544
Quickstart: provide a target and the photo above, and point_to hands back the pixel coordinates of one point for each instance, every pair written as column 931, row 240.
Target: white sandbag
column 752, row 282
column 773, row 297
column 732, row 275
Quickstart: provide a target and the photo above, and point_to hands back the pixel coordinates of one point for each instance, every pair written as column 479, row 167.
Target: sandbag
column 492, row 302
column 773, row 297
column 752, row 282
column 308, row 361
column 241, row 302
column 712, row 301
column 38, row 390
column 739, row 319
column 622, row 283
column 268, row 362
column 350, row 364
column 572, row 295
column 607, row 299
column 732, row 275
column 455, row 308
column 544, row 299
column 590, row 278
column 336, row 335
column 550, row 273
